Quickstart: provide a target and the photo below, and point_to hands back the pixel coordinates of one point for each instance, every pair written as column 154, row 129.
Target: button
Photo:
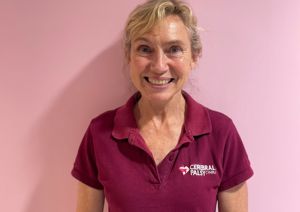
column 171, row 157
column 155, row 182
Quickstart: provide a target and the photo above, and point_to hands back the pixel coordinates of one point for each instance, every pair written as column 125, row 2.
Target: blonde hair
column 145, row 16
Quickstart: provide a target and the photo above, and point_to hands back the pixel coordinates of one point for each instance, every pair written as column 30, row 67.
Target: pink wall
column 61, row 64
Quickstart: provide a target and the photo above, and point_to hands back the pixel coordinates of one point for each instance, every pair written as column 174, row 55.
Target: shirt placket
column 166, row 167
column 159, row 173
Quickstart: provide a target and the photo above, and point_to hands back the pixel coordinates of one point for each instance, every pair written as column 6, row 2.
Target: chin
column 160, row 97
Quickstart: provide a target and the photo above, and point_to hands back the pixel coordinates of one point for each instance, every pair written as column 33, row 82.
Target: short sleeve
column 236, row 165
column 85, row 167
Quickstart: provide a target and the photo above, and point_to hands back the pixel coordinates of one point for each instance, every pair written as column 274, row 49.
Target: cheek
column 138, row 64
column 184, row 68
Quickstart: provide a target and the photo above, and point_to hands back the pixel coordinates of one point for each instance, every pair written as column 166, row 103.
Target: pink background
column 61, row 64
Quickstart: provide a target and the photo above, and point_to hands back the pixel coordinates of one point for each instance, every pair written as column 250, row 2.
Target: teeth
column 158, row 82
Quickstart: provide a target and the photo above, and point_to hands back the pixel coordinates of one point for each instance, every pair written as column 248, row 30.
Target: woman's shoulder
column 217, row 116
column 202, row 115
column 219, row 120
column 104, row 119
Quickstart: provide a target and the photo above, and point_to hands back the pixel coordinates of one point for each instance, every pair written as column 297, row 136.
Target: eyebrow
column 178, row 42
column 141, row 39
column 172, row 42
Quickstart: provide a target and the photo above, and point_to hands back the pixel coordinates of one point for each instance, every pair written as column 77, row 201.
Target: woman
column 162, row 151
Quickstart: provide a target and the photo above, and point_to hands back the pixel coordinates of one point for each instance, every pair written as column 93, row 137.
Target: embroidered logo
column 184, row 169
column 198, row 170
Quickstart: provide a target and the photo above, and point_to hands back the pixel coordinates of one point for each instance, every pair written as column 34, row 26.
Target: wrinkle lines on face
column 160, row 60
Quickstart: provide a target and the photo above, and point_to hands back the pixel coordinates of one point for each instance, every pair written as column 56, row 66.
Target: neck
column 160, row 114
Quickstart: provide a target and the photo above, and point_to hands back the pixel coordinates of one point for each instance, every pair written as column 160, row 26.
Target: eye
column 175, row 50
column 144, row 49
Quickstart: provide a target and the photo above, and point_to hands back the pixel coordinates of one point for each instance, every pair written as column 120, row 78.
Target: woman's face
column 161, row 60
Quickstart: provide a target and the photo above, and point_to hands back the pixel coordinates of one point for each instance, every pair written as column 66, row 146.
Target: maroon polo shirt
column 209, row 158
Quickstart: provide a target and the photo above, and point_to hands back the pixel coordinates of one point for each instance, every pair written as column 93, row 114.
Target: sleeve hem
column 236, row 179
column 92, row 183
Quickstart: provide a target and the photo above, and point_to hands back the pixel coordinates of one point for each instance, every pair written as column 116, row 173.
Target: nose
column 159, row 62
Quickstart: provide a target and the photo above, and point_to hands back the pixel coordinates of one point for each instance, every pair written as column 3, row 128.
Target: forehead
column 168, row 29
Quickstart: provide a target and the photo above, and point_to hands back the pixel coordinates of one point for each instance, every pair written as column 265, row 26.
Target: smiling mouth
column 158, row 81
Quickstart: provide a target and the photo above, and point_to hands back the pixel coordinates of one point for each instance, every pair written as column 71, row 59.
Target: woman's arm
column 234, row 199
column 89, row 199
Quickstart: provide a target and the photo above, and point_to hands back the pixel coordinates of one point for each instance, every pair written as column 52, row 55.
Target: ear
column 195, row 59
column 127, row 57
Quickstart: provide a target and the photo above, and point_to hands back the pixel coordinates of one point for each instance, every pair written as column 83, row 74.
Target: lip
column 159, row 78
column 157, row 83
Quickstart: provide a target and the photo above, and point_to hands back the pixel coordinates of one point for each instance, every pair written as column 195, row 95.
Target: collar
column 197, row 120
